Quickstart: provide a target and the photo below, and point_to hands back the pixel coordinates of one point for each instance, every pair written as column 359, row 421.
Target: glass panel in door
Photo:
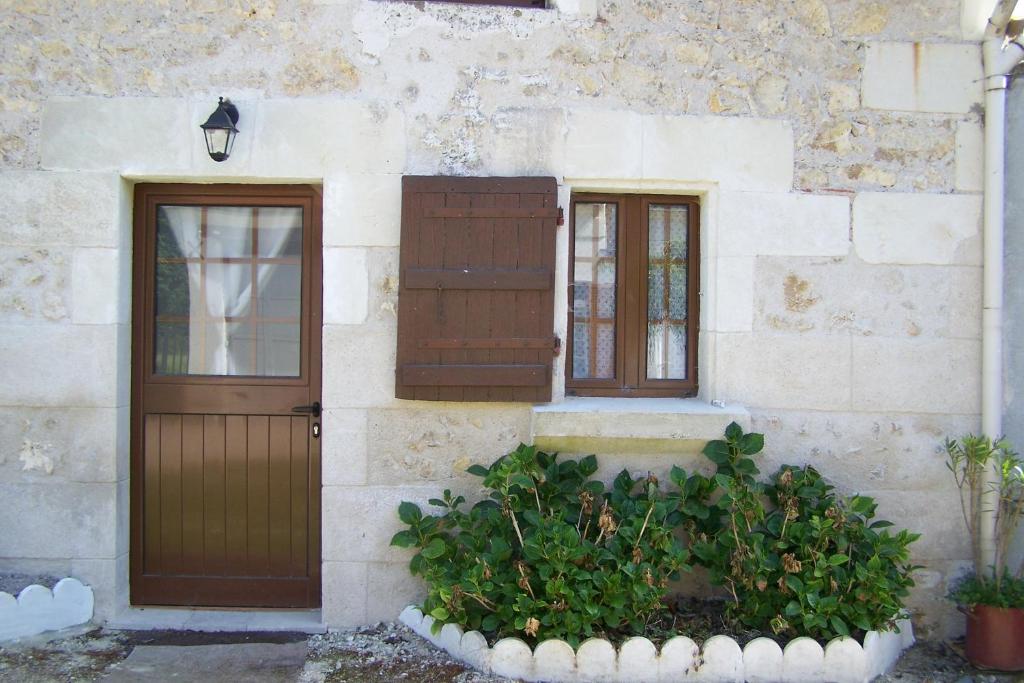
column 228, row 291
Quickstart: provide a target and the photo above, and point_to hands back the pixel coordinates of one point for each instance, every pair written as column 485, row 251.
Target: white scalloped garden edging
column 638, row 660
column 38, row 609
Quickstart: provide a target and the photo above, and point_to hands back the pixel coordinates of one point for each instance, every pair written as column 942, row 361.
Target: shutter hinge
column 561, row 217
column 556, row 346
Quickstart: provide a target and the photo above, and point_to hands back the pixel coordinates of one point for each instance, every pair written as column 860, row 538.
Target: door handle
column 313, row 409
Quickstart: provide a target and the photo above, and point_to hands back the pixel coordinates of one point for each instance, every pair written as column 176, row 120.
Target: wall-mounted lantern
column 220, row 130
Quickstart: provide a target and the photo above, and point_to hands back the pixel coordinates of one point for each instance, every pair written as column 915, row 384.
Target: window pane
column 666, row 291
column 228, row 232
column 280, row 231
column 236, row 318
column 594, row 291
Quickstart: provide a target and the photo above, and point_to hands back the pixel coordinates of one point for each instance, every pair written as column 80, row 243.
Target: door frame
column 311, row 363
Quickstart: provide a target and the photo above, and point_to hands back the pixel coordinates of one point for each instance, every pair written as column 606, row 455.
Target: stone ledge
column 38, row 609
column 649, row 425
column 638, row 660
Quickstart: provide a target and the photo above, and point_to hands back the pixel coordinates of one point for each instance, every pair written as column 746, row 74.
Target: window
column 633, row 299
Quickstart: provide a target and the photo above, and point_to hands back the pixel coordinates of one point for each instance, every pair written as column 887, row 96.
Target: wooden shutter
column 476, row 297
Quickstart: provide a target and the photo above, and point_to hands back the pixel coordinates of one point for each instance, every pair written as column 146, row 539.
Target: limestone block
column 845, row 661
column 345, row 588
column 40, row 208
column 925, row 77
column 108, row 580
column 359, row 367
column 905, row 21
column 34, row 284
column 762, row 661
column 597, row 661
column 81, row 362
column 293, row 139
column 679, row 656
column 777, row 224
column 554, row 660
column 382, row 263
column 803, row 661
column 970, row 156
column 845, row 295
column 638, row 660
column 512, row 658
column 437, row 442
column 390, row 587
column 780, row 371
column 475, row 651
column 343, row 447
column 634, row 419
column 974, row 17
column 942, row 529
column 346, row 286
column 39, row 516
column 603, row 144
column 738, row 153
column 100, row 281
column 359, row 521
column 892, row 227
column 524, row 142
column 920, row 376
column 586, row 8
column 89, row 133
column 722, row 660
column 895, row 451
column 362, row 210
column 734, row 296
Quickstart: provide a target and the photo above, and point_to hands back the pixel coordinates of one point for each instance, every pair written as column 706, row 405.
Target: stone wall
column 835, row 147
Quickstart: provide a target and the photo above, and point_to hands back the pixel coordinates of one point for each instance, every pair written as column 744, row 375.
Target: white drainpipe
column 1000, row 58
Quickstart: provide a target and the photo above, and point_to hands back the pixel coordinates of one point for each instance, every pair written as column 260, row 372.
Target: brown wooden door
column 225, row 505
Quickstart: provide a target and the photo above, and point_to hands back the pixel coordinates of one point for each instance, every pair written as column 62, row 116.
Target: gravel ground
column 14, row 583
column 384, row 653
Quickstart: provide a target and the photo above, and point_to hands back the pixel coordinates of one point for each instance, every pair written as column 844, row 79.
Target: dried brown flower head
column 786, row 479
column 532, row 626
column 790, row 564
column 606, row 523
column 587, row 501
column 637, row 556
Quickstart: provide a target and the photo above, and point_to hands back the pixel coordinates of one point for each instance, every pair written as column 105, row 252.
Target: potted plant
column 993, row 596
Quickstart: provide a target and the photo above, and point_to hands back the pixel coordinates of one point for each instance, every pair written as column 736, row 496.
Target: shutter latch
column 556, row 346
column 561, row 217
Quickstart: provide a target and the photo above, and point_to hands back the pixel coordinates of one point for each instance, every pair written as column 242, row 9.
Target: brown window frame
column 632, row 233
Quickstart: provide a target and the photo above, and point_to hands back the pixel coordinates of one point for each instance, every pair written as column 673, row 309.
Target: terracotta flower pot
column 995, row 637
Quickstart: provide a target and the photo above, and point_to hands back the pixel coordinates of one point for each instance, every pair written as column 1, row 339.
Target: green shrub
column 810, row 563
column 974, row 591
column 550, row 554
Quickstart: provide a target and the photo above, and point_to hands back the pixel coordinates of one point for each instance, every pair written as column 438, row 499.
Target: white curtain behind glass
column 228, row 287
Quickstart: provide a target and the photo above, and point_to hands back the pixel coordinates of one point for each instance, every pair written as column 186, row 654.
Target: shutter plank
column 490, row 212
column 473, row 277
column 465, row 375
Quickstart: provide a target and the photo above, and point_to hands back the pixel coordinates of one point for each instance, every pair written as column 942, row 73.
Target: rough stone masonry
column 835, row 146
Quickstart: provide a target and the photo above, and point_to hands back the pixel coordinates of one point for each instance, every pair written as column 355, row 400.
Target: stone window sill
column 647, row 425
